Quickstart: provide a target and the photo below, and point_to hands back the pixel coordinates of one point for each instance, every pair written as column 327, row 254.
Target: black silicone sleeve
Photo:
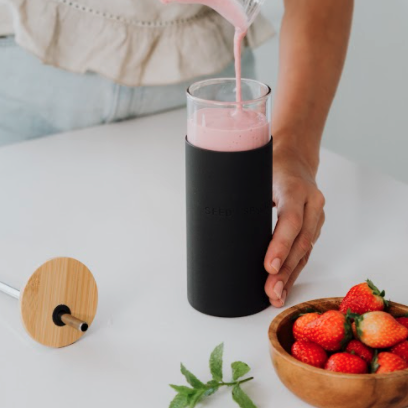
column 229, row 227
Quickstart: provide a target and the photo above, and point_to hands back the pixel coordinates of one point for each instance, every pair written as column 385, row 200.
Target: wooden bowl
column 326, row 389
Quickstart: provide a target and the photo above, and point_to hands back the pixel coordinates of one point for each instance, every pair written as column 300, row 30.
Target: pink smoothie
column 233, row 11
column 233, row 129
column 239, row 36
column 228, row 130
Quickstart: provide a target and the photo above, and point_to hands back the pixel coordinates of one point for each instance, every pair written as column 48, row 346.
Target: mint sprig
column 188, row 397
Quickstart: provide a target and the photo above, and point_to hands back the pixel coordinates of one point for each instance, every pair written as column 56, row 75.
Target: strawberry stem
column 230, row 384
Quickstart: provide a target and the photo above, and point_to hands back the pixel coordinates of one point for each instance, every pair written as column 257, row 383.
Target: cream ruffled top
column 133, row 42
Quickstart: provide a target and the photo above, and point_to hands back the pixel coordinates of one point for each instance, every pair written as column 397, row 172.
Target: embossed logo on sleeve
column 218, row 211
column 246, row 211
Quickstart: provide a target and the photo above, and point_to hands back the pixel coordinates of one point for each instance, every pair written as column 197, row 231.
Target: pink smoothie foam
column 232, row 129
column 228, row 130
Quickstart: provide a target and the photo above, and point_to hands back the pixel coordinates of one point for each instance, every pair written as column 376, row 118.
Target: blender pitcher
column 240, row 13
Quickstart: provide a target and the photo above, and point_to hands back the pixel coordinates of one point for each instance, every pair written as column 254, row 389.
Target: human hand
column 299, row 205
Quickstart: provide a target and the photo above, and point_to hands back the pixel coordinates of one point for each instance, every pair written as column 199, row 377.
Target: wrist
column 293, row 149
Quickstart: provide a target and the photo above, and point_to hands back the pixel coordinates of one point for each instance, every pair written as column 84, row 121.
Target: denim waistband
column 38, row 100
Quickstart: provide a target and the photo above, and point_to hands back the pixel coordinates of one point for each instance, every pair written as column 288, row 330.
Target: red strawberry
column 403, row 320
column 331, row 330
column 301, row 322
column 401, row 350
column 359, row 349
column 363, row 298
column 380, row 330
column 387, row 362
column 346, row 363
column 309, row 353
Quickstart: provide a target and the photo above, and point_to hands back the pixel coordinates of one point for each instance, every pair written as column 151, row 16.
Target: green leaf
column 191, row 378
column 358, row 321
column 196, row 398
column 351, row 316
column 374, row 288
column 377, row 292
column 241, row 398
column 179, row 401
column 374, row 363
column 216, row 362
column 239, row 369
column 210, row 391
column 181, row 389
column 348, row 332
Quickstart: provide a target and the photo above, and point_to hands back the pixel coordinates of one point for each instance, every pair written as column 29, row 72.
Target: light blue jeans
column 38, row 100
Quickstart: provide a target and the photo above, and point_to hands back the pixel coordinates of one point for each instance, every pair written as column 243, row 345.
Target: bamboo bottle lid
column 63, row 282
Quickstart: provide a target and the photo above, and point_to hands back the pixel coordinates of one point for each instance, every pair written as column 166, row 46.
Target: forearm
column 313, row 44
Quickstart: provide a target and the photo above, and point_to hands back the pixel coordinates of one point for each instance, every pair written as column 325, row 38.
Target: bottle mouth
column 195, row 92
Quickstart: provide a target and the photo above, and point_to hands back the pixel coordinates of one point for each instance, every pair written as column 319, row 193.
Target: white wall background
column 369, row 118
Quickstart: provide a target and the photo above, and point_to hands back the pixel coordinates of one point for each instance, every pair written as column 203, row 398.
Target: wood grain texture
column 60, row 281
column 325, row 389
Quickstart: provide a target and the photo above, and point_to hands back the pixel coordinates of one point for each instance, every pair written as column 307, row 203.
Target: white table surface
column 113, row 197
